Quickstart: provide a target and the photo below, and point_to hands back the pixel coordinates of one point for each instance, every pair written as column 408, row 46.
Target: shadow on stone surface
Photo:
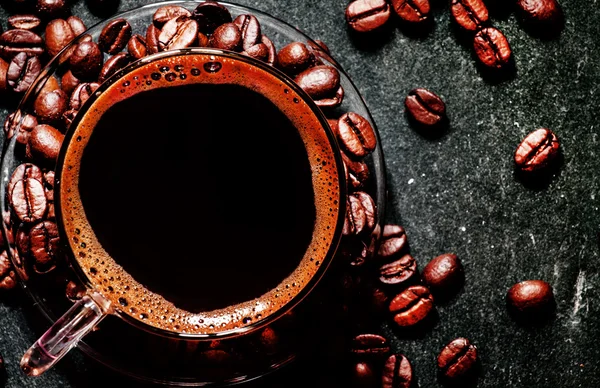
column 540, row 180
column 372, row 41
column 496, row 76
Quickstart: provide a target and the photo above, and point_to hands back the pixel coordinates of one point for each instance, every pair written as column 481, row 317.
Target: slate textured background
column 457, row 193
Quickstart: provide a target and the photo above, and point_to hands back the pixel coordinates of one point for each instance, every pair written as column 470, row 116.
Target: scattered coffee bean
column 28, row 200
column 540, row 11
column 81, row 94
column 77, row 25
column 398, row 272
column 425, row 107
column 413, row 11
column 250, row 30
column 168, row 12
column 319, row 81
column 356, row 135
column 86, row 61
column 3, row 75
column 152, row 45
column 367, row 15
column 444, row 274
column 211, row 15
column 295, row 58
column 531, row 299
column 492, row 48
column 22, row 72
column 411, row 306
column 114, row 36
column 178, row 33
column 44, row 244
column 358, row 171
column 397, row 372
column 24, row 22
column 8, row 277
column 51, row 9
column 112, row 65
column 58, row 35
column 362, row 375
column 136, row 47
column 393, row 243
column 227, row 37
column 537, row 151
column 470, row 14
column 457, row 359
column 50, row 106
column 366, row 346
column 13, row 123
column 69, row 82
column 22, row 173
column 14, row 42
column 45, row 142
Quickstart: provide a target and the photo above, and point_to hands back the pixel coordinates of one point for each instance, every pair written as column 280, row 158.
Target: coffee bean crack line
column 488, row 39
column 30, row 199
column 547, row 143
column 457, row 358
column 470, row 13
column 415, row 8
column 24, row 71
column 425, row 105
column 371, row 12
column 397, row 377
column 415, row 301
column 356, row 131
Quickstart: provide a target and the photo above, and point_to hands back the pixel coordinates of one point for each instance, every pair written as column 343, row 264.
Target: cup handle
column 66, row 332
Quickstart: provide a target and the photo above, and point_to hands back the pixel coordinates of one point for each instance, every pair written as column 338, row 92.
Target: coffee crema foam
column 129, row 296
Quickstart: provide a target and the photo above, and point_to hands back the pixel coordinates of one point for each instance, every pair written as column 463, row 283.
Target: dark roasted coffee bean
column 74, row 291
column 356, row 135
column 370, row 345
column 368, row 204
column 112, row 65
column 540, row 11
column 8, row 277
column 411, row 306
column 470, row 14
column 3, row 75
column 367, row 15
column 258, row 51
column 58, row 35
column 69, row 82
column 202, row 40
column 22, row 173
column 45, row 142
column 398, row 272
column 413, row 11
column 444, row 274
column 152, row 45
column 363, row 375
column 457, row 359
column 22, row 71
column 425, row 107
column 81, row 94
column 333, row 101
column 114, row 36
column 393, row 243
column 537, row 151
column 227, row 37
column 211, row 15
column 86, row 61
column 178, row 33
column 77, row 25
column 360, row 214
column 23, row 127
column 14, row 42
column 28, row 200
column 295, row 58
column 136, row 47
column 168, row 12
column 51, row 84
column 397, row 372
column 492, row 48
column 319, row 81
column 530, row 299
column 358, row 171
column 24, row 22
column 250, row 29
column 51, row 9
column 50, row 106
column 44, row 243
column 272, row 52
column 22, row 243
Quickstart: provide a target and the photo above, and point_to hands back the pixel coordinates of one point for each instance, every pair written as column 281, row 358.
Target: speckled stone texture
column 457, row 193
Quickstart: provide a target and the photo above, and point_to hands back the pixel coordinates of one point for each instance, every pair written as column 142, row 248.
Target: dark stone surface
column 457, row 193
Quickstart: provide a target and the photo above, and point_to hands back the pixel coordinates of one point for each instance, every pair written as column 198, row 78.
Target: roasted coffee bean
column 28, row 200
column 272, row 56
column 58, row 35
column 44, row 243
column 22, row 173
column 360, row 214
column 152, row 45
column 81, row 94
column 112, row 65
column 363, row 375
column 211, row 15
column 368, row 204
column 413, row 11
column 492, row 48
column 69, row 82
column 86, row 61
column 258, row 51
column 168, row 12
column 366, row 346
column 295, row 58
column 397, row 372
column 398, row 272
column 24, row 22
column 51, row 9
column 444, row 274
column 470, row 14
column 8, row 277
column 537, row 151
column 68, row 117
column 136, row 47
column 74, row 291
column 457, row 359
column 425, row 107
column 22, row 243
column 77, row 25
column 22, row 71
column 367, row 15
column 178, row 33
column 3, row 75
column 114, row 36
column 23, row 127
column 393, row 243
column 45, row 142
column 14, row 42
column 227, row 37
column 202, row 40
column 51, row 84
column 333, row 101
column 319, row 81
column 540, row 11
column 50, row 106
column 357, row 171
column 250, row 29
column 530, row 299
column 356, row 135
column 411, row 306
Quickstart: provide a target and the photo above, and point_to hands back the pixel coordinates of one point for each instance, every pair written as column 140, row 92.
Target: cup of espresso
column 200, row 195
